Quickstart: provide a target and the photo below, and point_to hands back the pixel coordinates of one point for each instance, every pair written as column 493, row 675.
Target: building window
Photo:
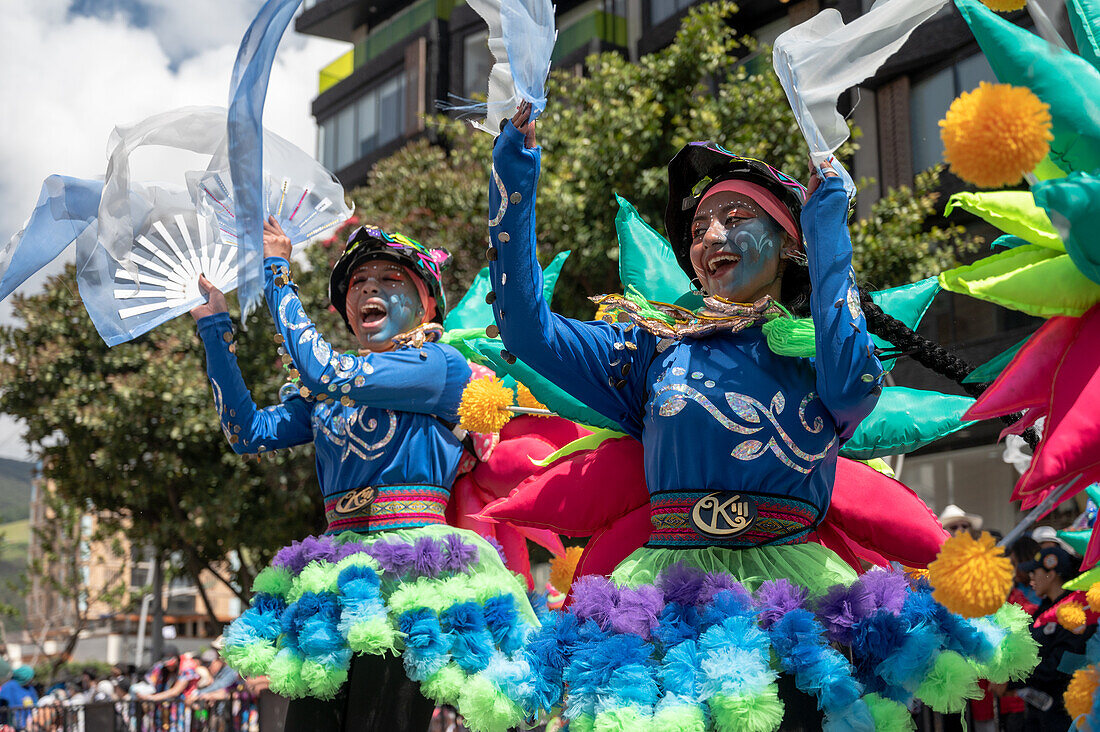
column 660, row 10
column 929, row 100
column 476, row 62
column 375, row 119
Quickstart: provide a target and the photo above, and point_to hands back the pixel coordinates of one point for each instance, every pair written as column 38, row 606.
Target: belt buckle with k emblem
column 723, row 514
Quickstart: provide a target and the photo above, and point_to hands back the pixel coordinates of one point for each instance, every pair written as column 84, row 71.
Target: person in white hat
column 957, row 521
column 1047, row 536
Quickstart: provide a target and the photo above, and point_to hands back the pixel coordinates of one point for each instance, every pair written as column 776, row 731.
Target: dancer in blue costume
column 389, row 576
column 740, row 448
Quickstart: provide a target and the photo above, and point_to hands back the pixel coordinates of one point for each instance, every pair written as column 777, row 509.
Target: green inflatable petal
column 550, row 276
column 461, row 339
column 1084, row 20
column 646, row 261
column 556, row 399
column 472, row 311
column 1046, row 169
column 1032, row 279
column 1074, row 202
column 904, row 420
column 1013, row 212
column 588, row 442
column 992, row 368
column 1077, row 540
column 1084, row 581
column 1068, row 83
column 908, row 304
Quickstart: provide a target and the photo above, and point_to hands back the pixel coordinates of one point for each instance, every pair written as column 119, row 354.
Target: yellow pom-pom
column 971, row 577
column 1081, row 690
column 525, row 398
column 563, row 567
column 1005, row 6
column 916, row 573
column 484, row 405
column 1093, row 596
column 1071, row 616
column 995, row 134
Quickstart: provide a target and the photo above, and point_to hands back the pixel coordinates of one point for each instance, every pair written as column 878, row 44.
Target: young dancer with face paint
column 392, row 611
column 740, row 451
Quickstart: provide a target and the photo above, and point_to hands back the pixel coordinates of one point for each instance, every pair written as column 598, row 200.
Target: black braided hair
column 933, row 356
column 794, row 290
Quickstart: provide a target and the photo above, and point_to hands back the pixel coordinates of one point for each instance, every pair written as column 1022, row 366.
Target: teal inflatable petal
column 1078, row 540
column 1084, row 20
column 550, row 275
column 908, row 304
column 1065, row 81
column 992, row 368
column 646, row 261
column 904, row 420
column 1008, row 241
column 1073, row 204
column 555, row 399
column 473, row 312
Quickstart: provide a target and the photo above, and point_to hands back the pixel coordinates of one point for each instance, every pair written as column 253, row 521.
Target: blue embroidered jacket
column 390, row 434
column 716, row 413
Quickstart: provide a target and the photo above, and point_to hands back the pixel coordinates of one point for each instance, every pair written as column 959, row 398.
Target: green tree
column 614, row 130
column 131, row 433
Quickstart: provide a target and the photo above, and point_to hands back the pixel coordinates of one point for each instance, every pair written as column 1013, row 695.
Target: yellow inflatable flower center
column 1005, row 6
column 971, row 577
column 995, row 134
column 484, row 405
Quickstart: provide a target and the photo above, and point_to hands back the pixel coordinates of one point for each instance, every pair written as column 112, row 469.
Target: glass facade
column 368, row 123
column 476, row 62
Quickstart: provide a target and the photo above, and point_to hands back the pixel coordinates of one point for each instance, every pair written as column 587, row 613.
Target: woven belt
column 690, row 519
column 378, row 508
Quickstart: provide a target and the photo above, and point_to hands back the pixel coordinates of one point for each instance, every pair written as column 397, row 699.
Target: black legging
column 378, row 697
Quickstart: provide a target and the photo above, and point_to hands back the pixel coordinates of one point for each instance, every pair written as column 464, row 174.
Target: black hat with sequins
column 370, row 242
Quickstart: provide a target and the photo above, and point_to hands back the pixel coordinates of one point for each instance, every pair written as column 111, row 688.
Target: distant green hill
column 15, row 490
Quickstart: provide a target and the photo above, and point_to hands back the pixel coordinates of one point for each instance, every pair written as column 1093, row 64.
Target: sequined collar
column 415, row 338
column 718, row 316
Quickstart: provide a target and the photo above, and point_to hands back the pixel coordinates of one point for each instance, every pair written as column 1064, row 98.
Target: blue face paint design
column 382, row 302
column 757, row 242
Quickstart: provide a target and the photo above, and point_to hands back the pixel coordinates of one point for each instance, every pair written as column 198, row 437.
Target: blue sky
column 71, row 70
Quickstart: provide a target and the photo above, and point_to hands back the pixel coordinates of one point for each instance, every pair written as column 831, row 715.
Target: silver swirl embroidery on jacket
column 321, row 415
column 288, row 298
column 322, row 351
column 819, row 424
column 362, row 447
column 495, row 221
column 219, row 404
column 749, row 410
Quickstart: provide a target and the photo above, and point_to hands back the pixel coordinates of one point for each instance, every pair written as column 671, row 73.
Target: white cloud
column 68, row 81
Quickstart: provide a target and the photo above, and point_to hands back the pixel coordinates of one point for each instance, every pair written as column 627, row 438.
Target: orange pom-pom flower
column 971, row 577
column 484, row 405
column 1081, row 690
column 525, row 398
column 1071, row 616
column 995, row 134
column 1093, row 596
column 563, row 567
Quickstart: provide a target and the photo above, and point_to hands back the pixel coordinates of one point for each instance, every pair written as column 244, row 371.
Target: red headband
column 760, row 195
column 422, row 290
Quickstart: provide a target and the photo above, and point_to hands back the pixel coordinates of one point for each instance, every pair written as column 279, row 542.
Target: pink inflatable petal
column 883, row 517
column 579, row 495
column 548, row 540
column 510, row 464
column 516, row 557
column 615, row 543
column 1071, row 438
column 558, row 431
column 1024, row 384
column 467, row 502
column 832, row 538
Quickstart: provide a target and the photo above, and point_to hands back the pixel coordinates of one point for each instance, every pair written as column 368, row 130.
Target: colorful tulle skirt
column 677, row 642
column 438, row 596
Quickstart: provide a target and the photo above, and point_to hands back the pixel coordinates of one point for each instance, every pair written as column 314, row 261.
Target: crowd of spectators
column 1044, row 562
column 178, row 682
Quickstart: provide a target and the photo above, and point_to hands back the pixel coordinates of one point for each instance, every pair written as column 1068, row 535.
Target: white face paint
column 735, row 248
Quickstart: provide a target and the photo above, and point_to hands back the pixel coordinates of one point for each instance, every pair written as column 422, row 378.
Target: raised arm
column 248, row 429
column 849, row 374
column 601, row 364
column 429, row 379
